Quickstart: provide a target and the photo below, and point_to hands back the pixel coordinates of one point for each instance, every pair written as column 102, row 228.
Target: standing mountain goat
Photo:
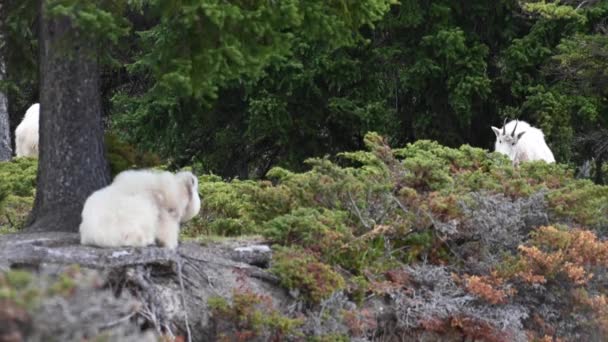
column 522, row 142
column 26, row 134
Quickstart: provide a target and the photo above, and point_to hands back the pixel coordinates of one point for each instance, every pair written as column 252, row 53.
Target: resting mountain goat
column 26, row 134
column 140, row 208
column 132, row 181
column 522, row 142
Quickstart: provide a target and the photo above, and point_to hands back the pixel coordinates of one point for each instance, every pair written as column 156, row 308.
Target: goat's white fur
column 526, row 143
column 139, row 208
column 26, row 134
column 194, row 204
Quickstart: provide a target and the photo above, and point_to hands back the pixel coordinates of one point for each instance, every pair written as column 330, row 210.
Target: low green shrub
column 583, row 202
column 371, row 211
column 18, row 176
column 300, row 270
column 17, row 191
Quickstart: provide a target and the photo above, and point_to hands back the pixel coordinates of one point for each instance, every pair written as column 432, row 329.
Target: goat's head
column 507, row 140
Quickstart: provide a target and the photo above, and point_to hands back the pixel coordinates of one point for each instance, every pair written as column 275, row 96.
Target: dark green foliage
column 239, row 87
column 427, row 71
column 207, row 58
column 19, row 48
column 556, row 70
column 122, row 156
column 201, row 45
column 103, row 24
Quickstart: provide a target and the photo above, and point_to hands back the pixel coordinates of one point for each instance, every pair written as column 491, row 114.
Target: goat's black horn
column 504, row 127
column 514, row 128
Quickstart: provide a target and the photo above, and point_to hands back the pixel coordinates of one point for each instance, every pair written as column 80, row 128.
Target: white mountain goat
column 26, row 134
column 522, row 142
column 140, row 208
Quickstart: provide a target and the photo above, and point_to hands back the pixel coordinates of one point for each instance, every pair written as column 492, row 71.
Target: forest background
column 289, row 86
column 392, row 235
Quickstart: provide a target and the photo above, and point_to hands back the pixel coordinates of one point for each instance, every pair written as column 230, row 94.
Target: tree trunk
column 71, row 155
column 5, row 133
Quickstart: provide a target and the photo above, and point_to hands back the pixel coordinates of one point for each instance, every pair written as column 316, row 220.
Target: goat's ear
column 520, row 134
column 191, row 184
column 188, row 178
column 496, row 131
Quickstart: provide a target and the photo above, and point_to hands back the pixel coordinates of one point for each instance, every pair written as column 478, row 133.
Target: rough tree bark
column 71, row 155
column 5, row 136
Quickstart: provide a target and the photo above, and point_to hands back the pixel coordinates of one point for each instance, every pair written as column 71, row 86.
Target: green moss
column 28, row 290
column 16, row 286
